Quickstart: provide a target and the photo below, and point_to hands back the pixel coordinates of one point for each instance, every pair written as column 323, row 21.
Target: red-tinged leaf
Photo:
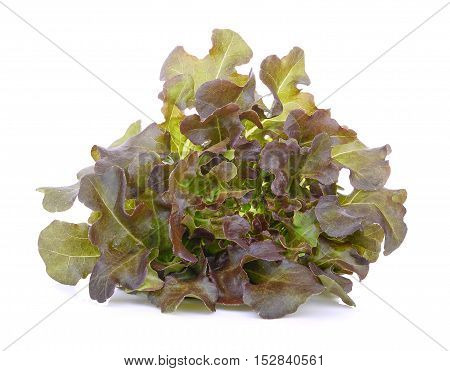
column 303, row 127
column 227, row 268
column 235, row 229
column 224, row 123
column 175, row 290
column 278, row 288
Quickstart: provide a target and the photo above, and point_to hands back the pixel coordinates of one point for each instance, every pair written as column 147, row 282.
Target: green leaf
column 204, row 220
column 306, row 227
column 369, row 169
column 57, row 199
column 340, row 255
column 368, row 242
column 228, row 51
column 67, row 252
column 176, row 95
column 133, row 130
column 225, row 171
column 281, row 76
column 383, row 207
column 332, row 284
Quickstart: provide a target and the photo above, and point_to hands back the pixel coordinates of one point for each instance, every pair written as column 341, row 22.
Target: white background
column 52, row 112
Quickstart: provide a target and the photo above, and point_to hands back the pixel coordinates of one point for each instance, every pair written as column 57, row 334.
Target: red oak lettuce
column 235, row 204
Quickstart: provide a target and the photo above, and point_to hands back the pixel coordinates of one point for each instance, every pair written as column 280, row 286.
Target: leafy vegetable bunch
column 237, row 203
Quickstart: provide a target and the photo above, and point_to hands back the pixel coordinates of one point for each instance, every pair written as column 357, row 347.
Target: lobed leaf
column 306, row 227
column 115, row 227
column 175, row 290
column 235, row 229
column 369, row 169
column 281, row 76
column 228, row 272
column 318, row 163
column 117, row 267
column 304, row 127
column 228, row 51
column 67, row 252
column 342, row 257
column 279, row 288
column 223, row 124
column 177, row 94
column 133, row 130
column 57, row 199
column 351, row 213
column 150, row 140
column 216, row 94
column 332, row 285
